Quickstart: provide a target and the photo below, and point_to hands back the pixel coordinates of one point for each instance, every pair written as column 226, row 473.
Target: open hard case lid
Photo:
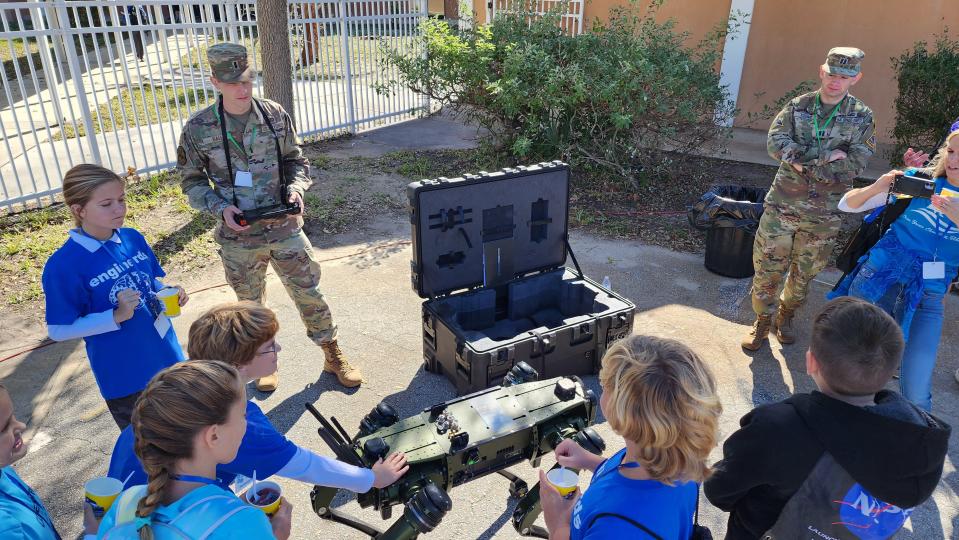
column 489, row 228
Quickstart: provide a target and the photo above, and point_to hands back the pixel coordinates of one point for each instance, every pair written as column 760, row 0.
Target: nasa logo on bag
column 869, row 518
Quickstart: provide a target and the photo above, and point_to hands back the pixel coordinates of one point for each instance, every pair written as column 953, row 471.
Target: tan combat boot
column 784, row 326
column 337, row 364
column 758, row 333
column 268, row 383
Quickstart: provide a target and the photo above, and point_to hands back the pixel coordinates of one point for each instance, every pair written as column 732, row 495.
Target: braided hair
column 175, row 406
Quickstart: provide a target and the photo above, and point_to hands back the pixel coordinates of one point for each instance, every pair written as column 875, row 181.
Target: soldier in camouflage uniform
column 246, row 251
column 822, row 140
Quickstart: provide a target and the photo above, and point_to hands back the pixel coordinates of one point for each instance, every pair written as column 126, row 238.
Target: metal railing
column 570, row 11
column 112, row 82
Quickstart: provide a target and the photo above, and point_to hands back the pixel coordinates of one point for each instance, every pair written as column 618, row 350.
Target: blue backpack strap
column 203, row 517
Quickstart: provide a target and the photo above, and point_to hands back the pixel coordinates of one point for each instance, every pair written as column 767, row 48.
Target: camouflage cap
column 229, row 62
column 844, row 61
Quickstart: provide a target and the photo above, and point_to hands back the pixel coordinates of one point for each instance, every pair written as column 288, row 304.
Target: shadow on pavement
column 288, row 412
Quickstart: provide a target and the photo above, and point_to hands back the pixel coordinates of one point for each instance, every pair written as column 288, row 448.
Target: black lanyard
column 630, row 465
column 229, row 161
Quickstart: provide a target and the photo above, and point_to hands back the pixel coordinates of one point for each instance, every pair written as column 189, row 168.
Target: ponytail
column 175, row 406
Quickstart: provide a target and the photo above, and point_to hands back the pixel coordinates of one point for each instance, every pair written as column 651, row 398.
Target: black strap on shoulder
column 631, row 521
column 226, row 147
column 284, row 186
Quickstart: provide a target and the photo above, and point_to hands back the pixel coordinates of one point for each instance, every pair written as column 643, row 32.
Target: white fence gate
column 571, row 11
column 112, row 82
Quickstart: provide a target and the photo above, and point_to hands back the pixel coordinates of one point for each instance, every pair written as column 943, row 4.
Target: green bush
column 615, row 97
column 928, row 100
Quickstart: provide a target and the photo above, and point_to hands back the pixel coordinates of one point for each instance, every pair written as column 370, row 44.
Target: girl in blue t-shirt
column 101, row 286
column 661, row 398
column 908, row 271
column 189, row 419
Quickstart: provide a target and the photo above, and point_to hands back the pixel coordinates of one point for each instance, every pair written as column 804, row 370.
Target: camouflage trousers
column 790, row 248
column 295, row 263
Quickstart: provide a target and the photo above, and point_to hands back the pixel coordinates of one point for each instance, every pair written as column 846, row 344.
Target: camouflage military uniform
column 801, row 217
column 202, row 164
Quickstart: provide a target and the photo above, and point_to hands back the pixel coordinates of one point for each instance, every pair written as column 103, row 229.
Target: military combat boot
column 337, row 364
column 784, row 326
column 758, row 333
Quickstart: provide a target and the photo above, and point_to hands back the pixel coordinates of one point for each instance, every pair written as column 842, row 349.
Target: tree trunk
column 274, row 36
column 451, row 11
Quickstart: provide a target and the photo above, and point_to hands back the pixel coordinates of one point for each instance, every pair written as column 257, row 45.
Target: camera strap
column 284, row 188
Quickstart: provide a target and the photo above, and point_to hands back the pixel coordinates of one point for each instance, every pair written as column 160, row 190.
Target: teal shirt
column 249, row 523
column 22, row 515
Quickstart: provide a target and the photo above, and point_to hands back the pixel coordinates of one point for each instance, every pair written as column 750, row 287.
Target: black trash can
column 730, row 216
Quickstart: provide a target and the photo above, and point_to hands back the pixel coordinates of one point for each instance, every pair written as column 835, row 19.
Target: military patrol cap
column 229, row 62
column 844, row 61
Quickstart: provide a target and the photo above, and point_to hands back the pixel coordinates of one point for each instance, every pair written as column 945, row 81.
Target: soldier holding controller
column 823, row 140
column 239, row 157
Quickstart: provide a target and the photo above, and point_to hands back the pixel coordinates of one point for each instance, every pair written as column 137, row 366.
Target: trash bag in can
column 730, row 216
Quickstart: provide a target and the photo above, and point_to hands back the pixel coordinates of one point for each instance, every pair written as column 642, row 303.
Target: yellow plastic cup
column 269, row 494
column 101, row 492
column 170, row 296
column 564, row 480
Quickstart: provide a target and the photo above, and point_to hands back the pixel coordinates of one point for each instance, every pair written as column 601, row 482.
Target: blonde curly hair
column 661, row 395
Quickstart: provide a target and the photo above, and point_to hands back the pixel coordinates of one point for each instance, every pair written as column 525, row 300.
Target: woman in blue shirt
column 908, row 271
column 101, row 286
column 661, row 398
column 189, row 419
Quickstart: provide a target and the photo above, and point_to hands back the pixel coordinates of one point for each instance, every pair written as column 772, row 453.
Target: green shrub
column 928, row 100
column 615, row 97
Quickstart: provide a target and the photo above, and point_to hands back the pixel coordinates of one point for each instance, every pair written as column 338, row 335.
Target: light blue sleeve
column 249, row 523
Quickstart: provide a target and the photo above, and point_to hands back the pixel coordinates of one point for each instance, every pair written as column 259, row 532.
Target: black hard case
column 488, row 252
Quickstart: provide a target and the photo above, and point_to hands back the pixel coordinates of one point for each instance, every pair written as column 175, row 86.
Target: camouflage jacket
column 202, row 164
column 791, row 140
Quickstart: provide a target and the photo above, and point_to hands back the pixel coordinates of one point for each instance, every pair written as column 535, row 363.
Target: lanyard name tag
column 243, row 179
column 934, row 270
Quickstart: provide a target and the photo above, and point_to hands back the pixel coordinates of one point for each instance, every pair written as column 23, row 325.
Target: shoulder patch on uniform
column 180, row 156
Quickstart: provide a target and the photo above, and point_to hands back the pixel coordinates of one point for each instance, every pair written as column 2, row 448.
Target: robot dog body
column 452, row 443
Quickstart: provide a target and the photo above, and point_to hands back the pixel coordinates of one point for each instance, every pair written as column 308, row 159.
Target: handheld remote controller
column 267, row 212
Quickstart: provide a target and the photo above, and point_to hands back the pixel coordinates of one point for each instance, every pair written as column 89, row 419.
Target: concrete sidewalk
column 366, row 282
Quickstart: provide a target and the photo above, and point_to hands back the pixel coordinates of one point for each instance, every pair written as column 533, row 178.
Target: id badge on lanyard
column 936, row 269
column 161, row 323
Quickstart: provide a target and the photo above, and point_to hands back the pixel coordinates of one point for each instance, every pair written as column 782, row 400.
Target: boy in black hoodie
column 850, row 461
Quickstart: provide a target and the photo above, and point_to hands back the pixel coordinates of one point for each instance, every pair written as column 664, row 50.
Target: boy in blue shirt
column 243, row 334
column 661, row 398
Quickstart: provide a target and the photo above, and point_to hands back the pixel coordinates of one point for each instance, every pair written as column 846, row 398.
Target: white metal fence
column 112, row 82
column 571, row 11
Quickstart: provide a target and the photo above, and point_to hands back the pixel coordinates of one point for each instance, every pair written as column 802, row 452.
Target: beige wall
column 696, row 16
column 788, row 41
